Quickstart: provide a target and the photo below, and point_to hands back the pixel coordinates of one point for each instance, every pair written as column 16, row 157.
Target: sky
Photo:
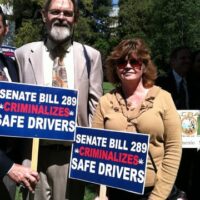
column 115, row 1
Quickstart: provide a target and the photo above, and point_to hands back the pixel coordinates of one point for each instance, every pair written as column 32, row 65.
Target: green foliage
column 174, row 24
column 83, row 31
column 134, row 18
column 28, row 32
column 107, row 87
column 25, row 10
column 27, row 21
column 163, row 24
column 18, row 195
column 93, row 25
column 39, row 2
column 90, row 192
column 6, row 2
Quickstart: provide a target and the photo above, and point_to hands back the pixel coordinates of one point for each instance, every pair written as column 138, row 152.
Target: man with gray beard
column 81, row 70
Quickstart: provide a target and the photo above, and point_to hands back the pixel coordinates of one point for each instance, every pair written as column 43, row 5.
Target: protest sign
column 37, row 112
column 112, row 158
column 190, row 122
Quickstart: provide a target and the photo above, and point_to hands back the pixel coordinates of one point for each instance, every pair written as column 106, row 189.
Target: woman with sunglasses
column 137, row 105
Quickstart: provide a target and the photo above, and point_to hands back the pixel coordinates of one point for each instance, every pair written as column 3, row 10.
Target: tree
column 28, row 21
column 28, row 32
column 175, row 23
column 9, row 2
column 164, row 24
column 134, row 18
column 93, row 24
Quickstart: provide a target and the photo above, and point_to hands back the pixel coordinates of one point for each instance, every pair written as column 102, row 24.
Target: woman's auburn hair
column 123, row 51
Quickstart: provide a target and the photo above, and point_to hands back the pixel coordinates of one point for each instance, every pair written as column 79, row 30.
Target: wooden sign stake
column 35, row 149
column 102, row 193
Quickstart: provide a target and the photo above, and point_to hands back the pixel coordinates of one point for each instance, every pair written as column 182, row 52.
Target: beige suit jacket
column 29, row 60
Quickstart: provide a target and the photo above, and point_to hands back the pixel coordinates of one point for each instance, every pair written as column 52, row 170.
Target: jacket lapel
column 36, row 62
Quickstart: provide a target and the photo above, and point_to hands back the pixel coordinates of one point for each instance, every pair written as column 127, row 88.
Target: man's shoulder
column 87, row 47
column 29, row 46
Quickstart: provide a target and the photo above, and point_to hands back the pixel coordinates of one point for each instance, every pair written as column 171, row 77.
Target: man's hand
column 24, row 175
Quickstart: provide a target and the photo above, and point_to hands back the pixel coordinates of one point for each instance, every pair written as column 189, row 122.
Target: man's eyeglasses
column 66, row 13
column 137, row 64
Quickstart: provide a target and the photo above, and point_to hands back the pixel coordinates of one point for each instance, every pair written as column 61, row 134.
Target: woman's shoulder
column 163, row 97
column 109, row 95
column 160, row 91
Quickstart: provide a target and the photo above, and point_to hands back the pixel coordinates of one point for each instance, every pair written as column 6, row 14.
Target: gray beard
column 60, row 34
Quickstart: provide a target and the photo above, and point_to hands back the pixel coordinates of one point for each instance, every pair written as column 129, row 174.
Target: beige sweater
column 157, row 116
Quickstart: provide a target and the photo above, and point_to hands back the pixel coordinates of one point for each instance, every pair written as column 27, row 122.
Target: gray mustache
column 60, row 24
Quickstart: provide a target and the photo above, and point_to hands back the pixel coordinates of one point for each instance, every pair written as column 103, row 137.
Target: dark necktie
column 3, row 76
column 59, row 76
column 182, row 95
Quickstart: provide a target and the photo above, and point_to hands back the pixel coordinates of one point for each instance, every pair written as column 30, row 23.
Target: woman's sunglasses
column 136, row 64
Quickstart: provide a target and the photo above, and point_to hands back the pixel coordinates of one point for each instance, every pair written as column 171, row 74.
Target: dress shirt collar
column 57, row 50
